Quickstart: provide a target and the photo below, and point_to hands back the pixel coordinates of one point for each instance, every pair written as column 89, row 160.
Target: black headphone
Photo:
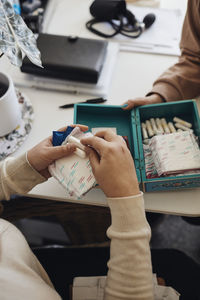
column 115, row 10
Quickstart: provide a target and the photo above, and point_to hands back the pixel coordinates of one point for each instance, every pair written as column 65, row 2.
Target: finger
column 129, row 105
column 60, row 151
column 95, row 142
column 124, row 105
column 62, row 129
column 94, row 160
column 82, row 127
column 107, row 135
column 140, row 101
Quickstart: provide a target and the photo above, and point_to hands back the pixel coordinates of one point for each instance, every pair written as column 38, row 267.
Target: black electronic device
column 121, row 19
column 68, row 57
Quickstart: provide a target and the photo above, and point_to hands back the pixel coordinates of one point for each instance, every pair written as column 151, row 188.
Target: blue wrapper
column 60, row 136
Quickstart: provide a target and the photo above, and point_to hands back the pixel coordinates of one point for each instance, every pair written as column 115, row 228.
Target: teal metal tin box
column 128, row 123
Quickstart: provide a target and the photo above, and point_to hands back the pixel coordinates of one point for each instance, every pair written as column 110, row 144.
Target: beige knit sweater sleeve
column 182, row 80
column 130, row 270
column 17, row 177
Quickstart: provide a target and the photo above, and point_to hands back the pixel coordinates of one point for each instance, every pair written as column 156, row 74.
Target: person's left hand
column 152, row 99
column 44, row 153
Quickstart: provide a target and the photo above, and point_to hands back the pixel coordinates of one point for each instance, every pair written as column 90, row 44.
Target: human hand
column 44, row 153
column 112, row 164
column 152, row 99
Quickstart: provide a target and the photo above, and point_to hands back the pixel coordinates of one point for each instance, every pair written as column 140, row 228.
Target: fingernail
column 125, row 105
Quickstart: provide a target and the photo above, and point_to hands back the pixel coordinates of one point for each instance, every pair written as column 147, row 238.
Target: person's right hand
column 112, row 164
column 152, row 99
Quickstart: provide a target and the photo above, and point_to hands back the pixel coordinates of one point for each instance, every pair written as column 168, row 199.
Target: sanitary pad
column 73, row 172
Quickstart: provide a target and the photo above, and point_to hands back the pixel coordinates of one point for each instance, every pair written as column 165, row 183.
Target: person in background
column 129, row 268
column 182, row 80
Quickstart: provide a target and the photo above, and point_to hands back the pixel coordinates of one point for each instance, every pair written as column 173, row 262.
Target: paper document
column 162, row 37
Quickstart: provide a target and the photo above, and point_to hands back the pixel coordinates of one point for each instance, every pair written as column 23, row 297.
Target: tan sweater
column 182, row 80
column 22, row 276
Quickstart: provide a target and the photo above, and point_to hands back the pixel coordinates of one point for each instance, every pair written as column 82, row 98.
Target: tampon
column 149, row 129
column 153, row 125
column 144, row 131
column 159, row 125
column 184, row 123
column 76, row 141
column 171, row 127
column 164, row 125
column 146, row 141
column 80, row 153
column 178, row 125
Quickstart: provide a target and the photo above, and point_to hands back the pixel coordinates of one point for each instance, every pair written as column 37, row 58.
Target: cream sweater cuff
column 17, row 177
column 128, row 213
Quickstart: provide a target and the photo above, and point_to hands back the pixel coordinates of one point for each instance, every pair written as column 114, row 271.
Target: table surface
column 133, row 76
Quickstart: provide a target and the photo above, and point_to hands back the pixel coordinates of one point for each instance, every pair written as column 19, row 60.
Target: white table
column 133, row 76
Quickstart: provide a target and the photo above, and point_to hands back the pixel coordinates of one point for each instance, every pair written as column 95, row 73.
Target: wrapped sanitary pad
column 73, row 172
column 175, row 153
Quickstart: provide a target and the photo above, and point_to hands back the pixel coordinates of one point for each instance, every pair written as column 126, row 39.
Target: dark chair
column 64, row 263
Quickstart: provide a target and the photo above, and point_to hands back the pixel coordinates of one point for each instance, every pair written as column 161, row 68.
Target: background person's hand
column 112, row 164
column 152, row 99
column 44, row 153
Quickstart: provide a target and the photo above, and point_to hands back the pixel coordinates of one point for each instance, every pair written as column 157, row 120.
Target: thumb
column 136, row 102
column 128, row 105
column 61, row 151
